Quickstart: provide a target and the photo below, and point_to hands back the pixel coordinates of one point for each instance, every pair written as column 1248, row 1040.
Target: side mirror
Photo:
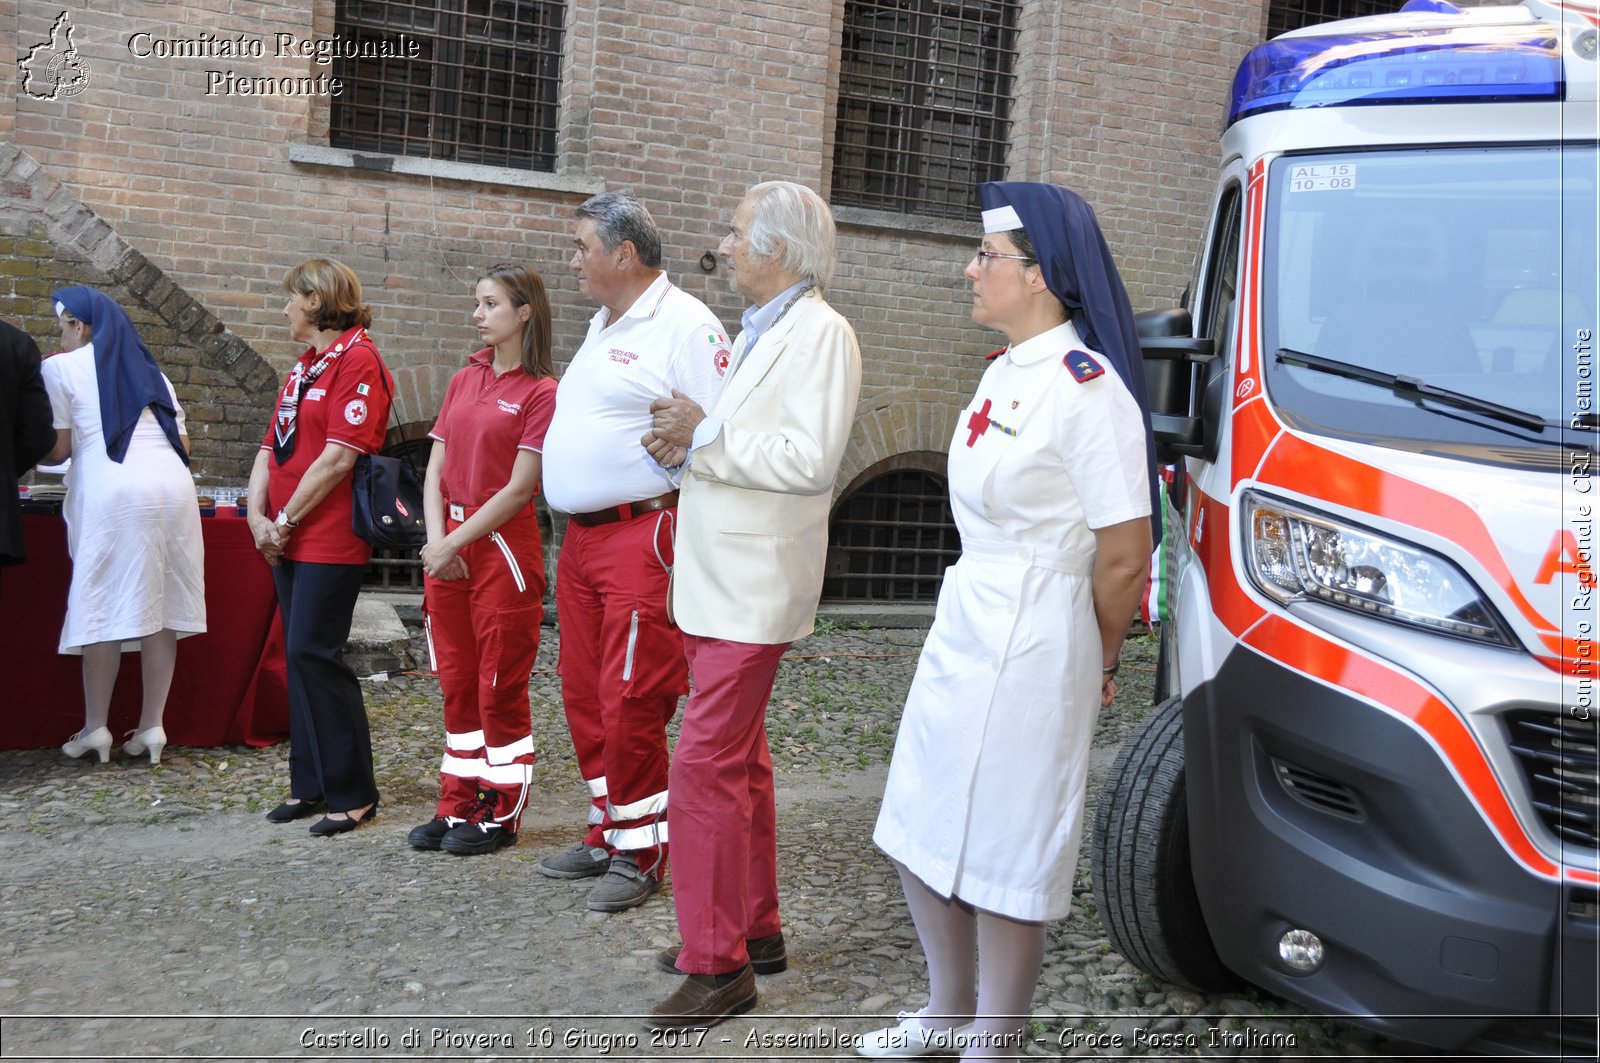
column 1173, row 364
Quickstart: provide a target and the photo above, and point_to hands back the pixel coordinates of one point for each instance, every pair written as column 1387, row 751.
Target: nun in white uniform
column 133, row 525
column 1051, row 484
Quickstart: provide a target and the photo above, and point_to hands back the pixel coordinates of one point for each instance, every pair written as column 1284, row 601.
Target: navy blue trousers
column 330, row 745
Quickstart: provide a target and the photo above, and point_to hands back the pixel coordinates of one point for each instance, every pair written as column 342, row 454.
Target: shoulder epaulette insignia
column 992, row 355
column 1083, row 367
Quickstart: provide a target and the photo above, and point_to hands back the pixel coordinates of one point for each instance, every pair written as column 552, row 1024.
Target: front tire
column 1140, row 868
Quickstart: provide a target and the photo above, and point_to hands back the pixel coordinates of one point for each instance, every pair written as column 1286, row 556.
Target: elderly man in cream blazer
column 758, row 471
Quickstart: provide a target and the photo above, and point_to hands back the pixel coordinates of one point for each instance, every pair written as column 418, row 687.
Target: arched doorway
column 891, row 535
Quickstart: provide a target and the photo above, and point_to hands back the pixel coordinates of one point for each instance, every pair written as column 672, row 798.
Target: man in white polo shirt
column 622, row 661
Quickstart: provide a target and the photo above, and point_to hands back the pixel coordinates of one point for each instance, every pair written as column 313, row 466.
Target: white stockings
column 103, row 660
column 1010, row 954
column 961, row 942
column 949, row 935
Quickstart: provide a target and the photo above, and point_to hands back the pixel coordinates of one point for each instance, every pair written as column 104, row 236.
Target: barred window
column 924, row 103
column 891, row 539
column 1286, row 15
column 465, row 80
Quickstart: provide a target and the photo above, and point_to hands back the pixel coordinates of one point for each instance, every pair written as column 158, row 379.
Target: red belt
column 626, row 511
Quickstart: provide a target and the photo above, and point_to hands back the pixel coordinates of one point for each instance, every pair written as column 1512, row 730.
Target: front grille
column 1561, row 765
column 1318, row 791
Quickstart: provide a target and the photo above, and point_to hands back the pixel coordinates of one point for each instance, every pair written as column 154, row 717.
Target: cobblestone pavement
column 154, row 913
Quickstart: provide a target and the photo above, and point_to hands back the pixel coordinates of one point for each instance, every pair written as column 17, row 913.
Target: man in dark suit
column 26, row 434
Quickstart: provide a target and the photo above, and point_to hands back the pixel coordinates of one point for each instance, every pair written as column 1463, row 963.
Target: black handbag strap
column 394, row 414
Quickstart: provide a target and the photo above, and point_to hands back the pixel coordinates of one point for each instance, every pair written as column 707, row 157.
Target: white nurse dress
column 984, row 799
column 133, row 528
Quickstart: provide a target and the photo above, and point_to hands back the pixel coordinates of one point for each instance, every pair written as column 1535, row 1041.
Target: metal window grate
column 393, row 570
column 924, row 103
column 1286, row 15
column 892, row 540
column 482, row 86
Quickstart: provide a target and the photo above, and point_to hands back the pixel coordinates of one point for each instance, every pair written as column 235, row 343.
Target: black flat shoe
column 327, row 827
column 293, row 809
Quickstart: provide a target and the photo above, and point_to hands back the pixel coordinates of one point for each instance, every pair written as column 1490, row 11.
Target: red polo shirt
column 484, row 421
column 347, row 404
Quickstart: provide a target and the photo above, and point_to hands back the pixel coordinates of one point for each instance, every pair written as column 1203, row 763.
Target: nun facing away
column 133, row 521
column 1051, row 475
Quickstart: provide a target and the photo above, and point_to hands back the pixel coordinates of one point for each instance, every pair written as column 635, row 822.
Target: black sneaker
column 431, row 833
column 470, row 839
column 478, row 832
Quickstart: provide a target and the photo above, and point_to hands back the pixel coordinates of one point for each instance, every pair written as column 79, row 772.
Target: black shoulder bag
column 387, row 496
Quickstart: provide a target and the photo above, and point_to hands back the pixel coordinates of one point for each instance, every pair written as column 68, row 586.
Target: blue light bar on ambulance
column 1467, row 64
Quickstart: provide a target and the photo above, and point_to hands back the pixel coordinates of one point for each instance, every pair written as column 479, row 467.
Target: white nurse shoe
column 910, row 1039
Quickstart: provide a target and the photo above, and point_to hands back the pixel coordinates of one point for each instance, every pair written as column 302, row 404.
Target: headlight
column 1296, row 555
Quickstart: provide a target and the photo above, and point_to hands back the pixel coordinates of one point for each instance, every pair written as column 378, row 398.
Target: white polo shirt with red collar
column 666, row 340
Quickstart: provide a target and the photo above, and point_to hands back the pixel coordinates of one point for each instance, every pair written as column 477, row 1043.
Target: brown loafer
column 768, row 955
column 699, row 1003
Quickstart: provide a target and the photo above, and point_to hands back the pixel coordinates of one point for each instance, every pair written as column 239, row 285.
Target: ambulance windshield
column 1472, row 269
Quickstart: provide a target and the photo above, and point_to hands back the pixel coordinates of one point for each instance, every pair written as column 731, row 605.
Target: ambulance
column 1370, row 784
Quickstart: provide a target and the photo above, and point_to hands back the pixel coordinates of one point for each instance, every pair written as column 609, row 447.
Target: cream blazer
column 753, row 515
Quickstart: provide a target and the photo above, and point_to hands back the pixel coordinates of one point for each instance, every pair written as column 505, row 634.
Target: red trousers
column 622, row 673
column 725, row 847
column 483, row 635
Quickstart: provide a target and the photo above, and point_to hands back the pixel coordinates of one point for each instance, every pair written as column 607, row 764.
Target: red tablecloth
column 229, row 687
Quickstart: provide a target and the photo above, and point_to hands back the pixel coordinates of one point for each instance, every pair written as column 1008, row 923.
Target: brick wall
column 688, row 103
column 8, row 63
column 50, row 240
column 1135, row 123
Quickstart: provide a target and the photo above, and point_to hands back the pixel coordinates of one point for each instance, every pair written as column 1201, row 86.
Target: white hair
column 793, row 217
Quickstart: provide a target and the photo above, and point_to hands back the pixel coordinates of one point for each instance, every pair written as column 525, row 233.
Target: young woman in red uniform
column 484, row 564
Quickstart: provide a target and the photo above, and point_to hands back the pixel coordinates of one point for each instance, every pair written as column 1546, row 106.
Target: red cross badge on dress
column 978, row 423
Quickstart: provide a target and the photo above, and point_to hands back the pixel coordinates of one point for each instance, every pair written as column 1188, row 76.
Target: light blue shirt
column 755, row 321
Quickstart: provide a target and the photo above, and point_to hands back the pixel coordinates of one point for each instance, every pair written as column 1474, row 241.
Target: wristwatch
column 283, row 520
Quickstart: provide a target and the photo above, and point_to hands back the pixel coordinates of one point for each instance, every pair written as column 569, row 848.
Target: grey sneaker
column 580, row 861
column 624, row 886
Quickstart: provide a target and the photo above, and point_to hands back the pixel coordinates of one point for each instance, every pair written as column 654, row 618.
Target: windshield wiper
column 1401, row 384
